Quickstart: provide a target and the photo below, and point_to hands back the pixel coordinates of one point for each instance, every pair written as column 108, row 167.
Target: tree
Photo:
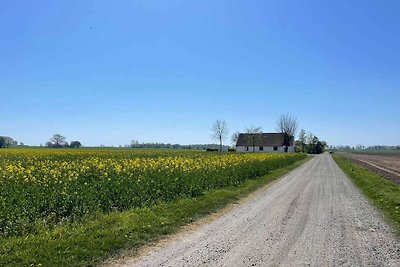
column 220, row 131
column 234, row 138
column 254, row 132
column 314, row 145
column 3, row 142
column 135, row 143
column 75, row 144
column 310, row 137
column 324, row 144
column 6, row 141
column 298, row 145
column 57, row 141
column 302, row 140
column 287, row 125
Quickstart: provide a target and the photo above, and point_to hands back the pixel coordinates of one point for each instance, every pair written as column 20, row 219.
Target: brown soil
column 386, row 165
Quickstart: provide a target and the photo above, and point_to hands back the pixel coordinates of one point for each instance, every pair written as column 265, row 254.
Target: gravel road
column 314, row 216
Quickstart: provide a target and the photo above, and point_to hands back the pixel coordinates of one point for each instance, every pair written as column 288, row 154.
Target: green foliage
column 382, row 192
column 6, row 142
column 309, row 143
column 75, row 144
column 300, row 144
column 315, row 146
column 2, row 142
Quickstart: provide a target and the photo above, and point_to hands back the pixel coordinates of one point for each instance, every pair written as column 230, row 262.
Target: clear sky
column 107, row 72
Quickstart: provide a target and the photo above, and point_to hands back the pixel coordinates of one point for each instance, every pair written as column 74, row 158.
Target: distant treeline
column 137, row 144
column 362, row 147
column 59, row 141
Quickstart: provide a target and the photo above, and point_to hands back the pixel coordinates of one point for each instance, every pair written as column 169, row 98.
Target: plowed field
column 387, row 165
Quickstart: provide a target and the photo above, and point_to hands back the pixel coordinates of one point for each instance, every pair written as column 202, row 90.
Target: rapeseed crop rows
column 40, row 187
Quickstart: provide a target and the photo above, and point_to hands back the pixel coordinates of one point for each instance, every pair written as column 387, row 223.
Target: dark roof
column 262, row 139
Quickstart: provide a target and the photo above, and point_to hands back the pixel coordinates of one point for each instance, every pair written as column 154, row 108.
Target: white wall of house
column 264, row 149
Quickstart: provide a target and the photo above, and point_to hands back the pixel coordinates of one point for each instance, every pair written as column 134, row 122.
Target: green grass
column 382, row 192
column 100, row 237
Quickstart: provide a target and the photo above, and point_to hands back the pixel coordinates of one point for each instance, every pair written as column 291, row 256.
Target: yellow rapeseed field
column 50, row 186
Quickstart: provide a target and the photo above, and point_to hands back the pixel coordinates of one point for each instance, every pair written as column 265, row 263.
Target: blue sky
column 106, row 72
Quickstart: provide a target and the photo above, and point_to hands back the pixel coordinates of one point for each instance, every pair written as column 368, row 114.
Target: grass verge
column 382, row 192
column 102, row 236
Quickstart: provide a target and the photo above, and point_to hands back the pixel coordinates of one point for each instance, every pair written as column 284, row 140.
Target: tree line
column 136, row 144
column 56, row 141
column 365, row 148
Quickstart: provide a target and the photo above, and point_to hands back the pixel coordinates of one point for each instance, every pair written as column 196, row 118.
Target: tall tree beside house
column 310, row 138
column 254, row 132
column 302, row 140
column 287, row 125
column 234, row 138
column 219, row 132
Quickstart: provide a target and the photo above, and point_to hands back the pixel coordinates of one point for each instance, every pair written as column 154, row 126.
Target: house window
column 247, row 148
column 275, row 148
column 261, row 148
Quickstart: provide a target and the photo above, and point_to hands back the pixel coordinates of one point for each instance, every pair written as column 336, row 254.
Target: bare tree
column 287, row 125
column 254, row 132
column 58, row 141
column 253, row 129
column 220, row 131
column 234, row 138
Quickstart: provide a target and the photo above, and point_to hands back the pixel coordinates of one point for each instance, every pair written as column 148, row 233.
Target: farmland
column 45, row 188
column 386, row 164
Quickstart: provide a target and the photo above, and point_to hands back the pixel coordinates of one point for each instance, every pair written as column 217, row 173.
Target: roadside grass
column 384, row 193
column 106, row 235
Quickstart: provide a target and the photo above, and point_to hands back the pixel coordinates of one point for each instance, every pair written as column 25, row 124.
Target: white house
column 262, row 142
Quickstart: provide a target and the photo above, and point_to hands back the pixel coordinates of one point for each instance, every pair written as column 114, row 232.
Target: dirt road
column 312, row 216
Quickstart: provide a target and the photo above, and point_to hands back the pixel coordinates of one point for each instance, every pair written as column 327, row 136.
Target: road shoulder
column 381, row 192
